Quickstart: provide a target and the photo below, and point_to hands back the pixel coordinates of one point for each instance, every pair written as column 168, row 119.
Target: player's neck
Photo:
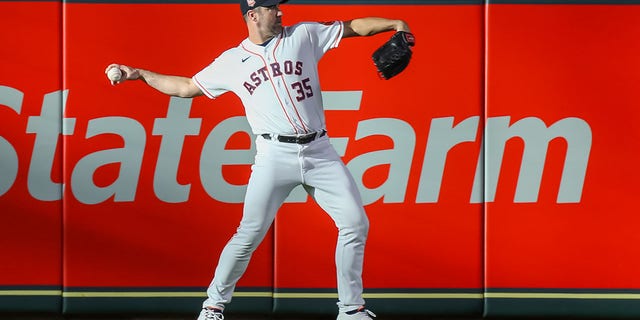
column 261, row 36
column 260, row 39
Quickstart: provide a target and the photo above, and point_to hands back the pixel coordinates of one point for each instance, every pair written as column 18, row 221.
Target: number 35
column 303, row 89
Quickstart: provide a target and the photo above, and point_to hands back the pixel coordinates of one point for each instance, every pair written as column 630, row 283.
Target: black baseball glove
column 394, row 56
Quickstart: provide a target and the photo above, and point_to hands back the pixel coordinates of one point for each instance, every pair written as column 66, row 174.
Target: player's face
column 271, row 19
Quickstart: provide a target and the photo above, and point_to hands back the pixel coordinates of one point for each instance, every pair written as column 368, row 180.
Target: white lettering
column 214, row 156
column 443, row 136
column 536, row 136
column 88, row 185
column 173, row 130
column 129, row 157
column 47, row 127
column 11, row 98
column 399, row 158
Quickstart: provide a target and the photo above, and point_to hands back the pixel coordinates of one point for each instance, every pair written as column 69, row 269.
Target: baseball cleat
column 210, row 314
column 357, row 314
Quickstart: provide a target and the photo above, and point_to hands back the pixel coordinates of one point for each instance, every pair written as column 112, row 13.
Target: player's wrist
column 138, row 74
column 400, row 25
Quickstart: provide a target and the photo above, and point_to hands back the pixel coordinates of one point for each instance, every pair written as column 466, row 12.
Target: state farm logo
column 443, row 136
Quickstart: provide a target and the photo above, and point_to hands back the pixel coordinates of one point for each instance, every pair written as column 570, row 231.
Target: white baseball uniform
column 279, row 87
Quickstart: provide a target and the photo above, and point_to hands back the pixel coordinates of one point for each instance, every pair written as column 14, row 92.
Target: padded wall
column 498, row 170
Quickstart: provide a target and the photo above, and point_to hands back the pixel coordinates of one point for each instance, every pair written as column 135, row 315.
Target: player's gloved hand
column 394, row 56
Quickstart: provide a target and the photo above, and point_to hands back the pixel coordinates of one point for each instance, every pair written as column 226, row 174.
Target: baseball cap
column 246, row 5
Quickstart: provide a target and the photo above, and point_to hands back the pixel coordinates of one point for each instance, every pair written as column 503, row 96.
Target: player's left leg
column 329, row 182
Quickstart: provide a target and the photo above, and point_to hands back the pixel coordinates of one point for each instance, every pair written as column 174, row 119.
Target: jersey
column 279, row 88
column 277, row 82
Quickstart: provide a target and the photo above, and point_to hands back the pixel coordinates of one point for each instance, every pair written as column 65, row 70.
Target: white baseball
column 114, row 74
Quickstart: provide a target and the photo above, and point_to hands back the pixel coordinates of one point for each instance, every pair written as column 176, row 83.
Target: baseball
column 114, row 74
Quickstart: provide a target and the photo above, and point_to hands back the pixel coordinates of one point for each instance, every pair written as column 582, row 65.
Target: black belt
column 303, row 139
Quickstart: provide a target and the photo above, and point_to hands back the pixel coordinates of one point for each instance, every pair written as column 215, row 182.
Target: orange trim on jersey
column 284, row 110
column 335, row 42
column 203, row 89
column 286, row 86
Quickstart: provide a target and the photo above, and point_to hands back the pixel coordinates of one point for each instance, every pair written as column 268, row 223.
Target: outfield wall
column 498, row 170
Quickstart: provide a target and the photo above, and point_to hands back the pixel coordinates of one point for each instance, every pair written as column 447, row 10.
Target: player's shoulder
column 310, row 25
column 232, row 51
column 230, row 54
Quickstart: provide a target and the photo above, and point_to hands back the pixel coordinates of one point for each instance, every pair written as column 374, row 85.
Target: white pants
column 278, row 168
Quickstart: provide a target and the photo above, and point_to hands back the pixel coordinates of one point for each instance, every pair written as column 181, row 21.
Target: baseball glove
column 394, row 56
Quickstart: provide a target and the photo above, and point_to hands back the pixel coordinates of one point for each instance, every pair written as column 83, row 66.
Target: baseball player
column 274, row 71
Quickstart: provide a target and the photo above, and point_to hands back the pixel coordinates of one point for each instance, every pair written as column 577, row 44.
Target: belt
column 303, row 139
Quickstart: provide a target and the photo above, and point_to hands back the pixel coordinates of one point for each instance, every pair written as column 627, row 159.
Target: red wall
column 557, row 62
column 498, row 169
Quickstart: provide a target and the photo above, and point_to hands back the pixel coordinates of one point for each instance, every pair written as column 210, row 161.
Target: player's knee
column 358, row 227
column 248, row 239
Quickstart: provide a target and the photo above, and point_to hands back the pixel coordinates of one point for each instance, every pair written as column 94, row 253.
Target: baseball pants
column 278, row 168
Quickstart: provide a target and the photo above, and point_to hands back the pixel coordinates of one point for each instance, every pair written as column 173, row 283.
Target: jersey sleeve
column 324, row 35
column 211, row 79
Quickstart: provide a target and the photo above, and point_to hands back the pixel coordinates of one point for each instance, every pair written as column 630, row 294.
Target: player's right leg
column 273, row 176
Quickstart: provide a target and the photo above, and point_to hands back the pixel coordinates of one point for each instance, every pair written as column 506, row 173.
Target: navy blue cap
column 246, row 5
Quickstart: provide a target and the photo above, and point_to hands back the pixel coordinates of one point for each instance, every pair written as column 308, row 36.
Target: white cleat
column 211, row 314
column 358, row 314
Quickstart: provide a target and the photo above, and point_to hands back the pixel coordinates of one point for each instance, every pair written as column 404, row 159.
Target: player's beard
column 277, row 27
column 272, row 29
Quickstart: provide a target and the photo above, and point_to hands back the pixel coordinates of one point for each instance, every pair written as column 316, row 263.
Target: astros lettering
column 276, row 69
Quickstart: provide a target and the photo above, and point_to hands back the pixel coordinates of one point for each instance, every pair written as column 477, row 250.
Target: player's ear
column 252, row 15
